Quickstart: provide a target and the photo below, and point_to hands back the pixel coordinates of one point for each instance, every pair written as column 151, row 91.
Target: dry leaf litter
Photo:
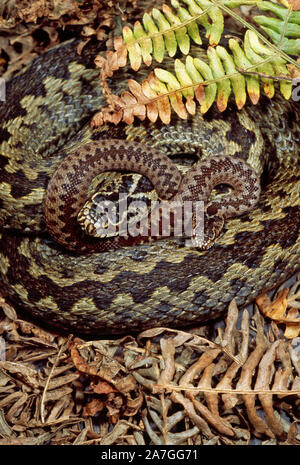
column 214, row 385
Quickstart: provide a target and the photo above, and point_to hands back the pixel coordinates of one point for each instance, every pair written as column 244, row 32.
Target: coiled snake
column 46, row 117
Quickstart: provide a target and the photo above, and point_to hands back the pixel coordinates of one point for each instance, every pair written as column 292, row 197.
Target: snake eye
column 212, row 210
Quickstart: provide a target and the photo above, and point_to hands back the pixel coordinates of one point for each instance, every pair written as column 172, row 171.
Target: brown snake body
column 67, row 189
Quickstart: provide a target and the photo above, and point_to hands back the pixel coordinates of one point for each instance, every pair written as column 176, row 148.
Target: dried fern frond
column 240, row 370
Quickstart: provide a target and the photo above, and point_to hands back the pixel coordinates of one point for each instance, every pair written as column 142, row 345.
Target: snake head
column 101, row 222
column 206, row 232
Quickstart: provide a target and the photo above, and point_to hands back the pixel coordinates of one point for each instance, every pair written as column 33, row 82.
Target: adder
column 127, row 289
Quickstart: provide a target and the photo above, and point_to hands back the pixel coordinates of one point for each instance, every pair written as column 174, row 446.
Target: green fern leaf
column 284, row 30
column 238, row 70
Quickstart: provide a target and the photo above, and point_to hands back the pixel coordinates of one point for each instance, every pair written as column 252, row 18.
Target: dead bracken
column 161, row 387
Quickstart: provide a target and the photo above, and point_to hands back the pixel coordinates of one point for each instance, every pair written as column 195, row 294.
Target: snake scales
column 46, row 117
column 67, row 188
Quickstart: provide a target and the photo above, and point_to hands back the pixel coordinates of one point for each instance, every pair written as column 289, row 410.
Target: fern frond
column 276, row 49
column 170, row 29
column 281, row 29
column 205, row 82
column 219, row 73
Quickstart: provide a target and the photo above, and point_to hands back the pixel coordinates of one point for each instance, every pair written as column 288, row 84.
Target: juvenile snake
column 67, row 189
column 46, row 117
